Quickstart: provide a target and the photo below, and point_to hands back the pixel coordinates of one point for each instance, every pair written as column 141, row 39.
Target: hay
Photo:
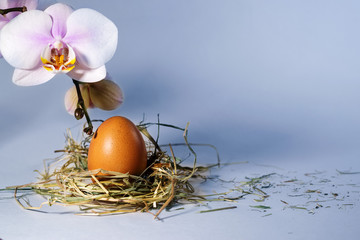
column 68, row 182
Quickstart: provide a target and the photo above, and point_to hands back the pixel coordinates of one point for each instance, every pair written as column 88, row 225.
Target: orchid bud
column 105, row 94
column 88, row 130
column 79, row 113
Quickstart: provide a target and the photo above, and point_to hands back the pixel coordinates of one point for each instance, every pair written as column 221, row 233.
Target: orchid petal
column 87, row 75
column 22, row 43
column 3, row 21
column 93, row 37
column 29, row 4
column 37, row 76
column 106, row 94
column 71, row 98
column 59, row 13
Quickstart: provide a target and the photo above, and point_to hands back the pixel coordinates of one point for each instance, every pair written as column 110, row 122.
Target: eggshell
column 117, row 145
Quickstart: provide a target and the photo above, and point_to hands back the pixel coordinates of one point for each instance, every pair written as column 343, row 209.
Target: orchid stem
column 81, row 104
column 16, row 9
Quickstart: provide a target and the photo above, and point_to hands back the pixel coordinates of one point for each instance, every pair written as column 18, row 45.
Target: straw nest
column 67, row 181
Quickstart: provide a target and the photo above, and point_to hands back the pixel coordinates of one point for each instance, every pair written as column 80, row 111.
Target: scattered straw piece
column 261, row 207
column 217, row 209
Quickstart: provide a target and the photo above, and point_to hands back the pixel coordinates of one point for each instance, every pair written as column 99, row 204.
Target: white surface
column 275, row 83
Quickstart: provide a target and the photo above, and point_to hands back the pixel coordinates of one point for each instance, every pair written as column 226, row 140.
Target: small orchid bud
column 79, row 113
column 88, row 130
column 105, row 94
column 71, row 98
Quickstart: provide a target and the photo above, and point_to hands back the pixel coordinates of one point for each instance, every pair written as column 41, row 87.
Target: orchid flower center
column 58, row 57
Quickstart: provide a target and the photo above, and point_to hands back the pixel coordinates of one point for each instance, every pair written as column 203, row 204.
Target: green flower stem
column 81, row 104
column 16, row 9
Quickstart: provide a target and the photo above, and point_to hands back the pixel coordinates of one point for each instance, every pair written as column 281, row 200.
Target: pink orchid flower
column 41, row 44
column 105, row 94
column 6, row 4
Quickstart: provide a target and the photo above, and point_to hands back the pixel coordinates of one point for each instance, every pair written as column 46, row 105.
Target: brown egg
column 117, row 145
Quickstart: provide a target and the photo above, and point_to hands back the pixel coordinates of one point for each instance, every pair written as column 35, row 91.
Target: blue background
column 273, row 82
column 255, row 78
